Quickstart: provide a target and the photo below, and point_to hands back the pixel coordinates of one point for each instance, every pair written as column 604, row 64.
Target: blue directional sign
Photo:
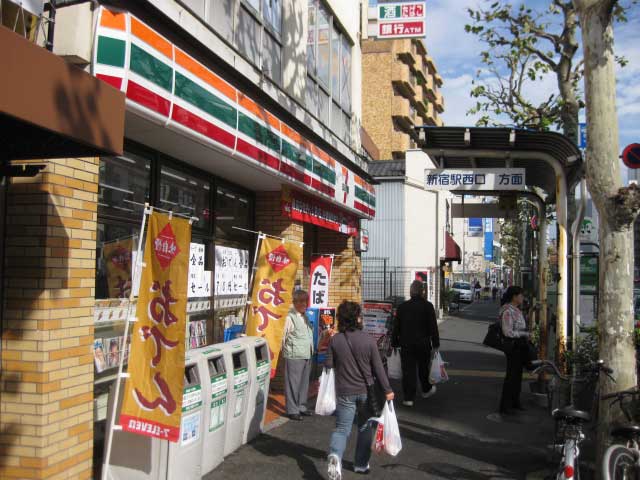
column 631, row 155
column 582, row 135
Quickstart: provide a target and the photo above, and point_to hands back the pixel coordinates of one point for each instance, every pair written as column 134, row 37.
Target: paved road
column 453, row 435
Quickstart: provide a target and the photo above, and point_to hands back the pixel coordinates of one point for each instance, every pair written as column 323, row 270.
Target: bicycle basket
column 578, row 392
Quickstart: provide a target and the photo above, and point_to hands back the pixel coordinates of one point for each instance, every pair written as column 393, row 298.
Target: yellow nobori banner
column 152, row 403
column 272, row 292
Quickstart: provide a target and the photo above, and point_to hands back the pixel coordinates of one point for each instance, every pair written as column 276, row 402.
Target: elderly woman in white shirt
column 514, row 328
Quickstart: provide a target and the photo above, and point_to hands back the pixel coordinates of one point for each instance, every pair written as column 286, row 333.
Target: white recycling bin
column 260, row 373
column 237, row 359
column 213, row 368
column 185, row 456
column 138, row 457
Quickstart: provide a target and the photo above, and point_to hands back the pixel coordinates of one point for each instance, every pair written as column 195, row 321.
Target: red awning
column 451, row 249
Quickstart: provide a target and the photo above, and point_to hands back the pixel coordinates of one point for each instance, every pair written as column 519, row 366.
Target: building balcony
column 402, row 80
column 439, row 102
column 429, row 88
column 438, row 121
column 402, row 113
column 406, row 51
column 430, row 65
column 420, row 47
column 438, row 79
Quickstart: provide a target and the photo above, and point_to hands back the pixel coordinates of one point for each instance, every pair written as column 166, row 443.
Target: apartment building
column 400, row 90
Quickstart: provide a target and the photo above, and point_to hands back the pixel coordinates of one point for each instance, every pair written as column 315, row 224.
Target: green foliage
column 586, row 351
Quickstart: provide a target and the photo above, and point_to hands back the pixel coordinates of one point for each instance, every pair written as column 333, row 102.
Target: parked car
column 465, row 291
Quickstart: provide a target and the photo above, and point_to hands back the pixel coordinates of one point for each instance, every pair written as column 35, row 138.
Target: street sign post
column 631, row 155
column 582, row 135
column 490, row 179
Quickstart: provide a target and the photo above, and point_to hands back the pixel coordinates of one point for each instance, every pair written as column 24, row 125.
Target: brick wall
column 346, row 273
column 46, row 396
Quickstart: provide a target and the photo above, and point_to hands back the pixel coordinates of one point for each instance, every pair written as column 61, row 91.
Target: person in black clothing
column 416, row 333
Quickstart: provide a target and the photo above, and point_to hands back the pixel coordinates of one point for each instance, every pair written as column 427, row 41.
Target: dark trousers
column 513, row 379
column 414, row 357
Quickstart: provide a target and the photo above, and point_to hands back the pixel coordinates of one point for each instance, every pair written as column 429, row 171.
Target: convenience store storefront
column 199, row 146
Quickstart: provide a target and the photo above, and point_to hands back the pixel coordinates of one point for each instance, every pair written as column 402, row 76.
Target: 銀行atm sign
column 401, row 20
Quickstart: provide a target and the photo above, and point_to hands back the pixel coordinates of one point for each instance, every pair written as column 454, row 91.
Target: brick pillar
column 346, row 273
column 269, row 219
column 46, row 392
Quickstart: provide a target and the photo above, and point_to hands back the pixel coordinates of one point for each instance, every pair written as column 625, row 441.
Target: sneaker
column 361, row 469
column 430, row 392
column 334, row 467
column 408, row 403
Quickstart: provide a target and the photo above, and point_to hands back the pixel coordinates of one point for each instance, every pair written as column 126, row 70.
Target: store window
column 124, row 185
column 187, row 195
column 328, row 71
column 233, row 209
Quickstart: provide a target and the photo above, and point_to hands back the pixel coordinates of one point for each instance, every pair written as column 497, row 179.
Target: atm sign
column 401, row 29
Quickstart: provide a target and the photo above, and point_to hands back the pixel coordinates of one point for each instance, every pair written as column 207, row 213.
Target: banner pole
column 261, row 236
column 112, row 420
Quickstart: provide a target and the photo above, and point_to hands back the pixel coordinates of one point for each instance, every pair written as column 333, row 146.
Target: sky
column 456, row 54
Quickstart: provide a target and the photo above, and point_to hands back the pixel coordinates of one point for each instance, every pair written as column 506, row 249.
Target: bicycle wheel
column 619, row 463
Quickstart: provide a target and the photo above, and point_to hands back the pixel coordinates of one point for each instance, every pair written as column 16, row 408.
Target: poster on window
column 231, row 272
column 196, row 270
column 117, row 259
column 319, row 281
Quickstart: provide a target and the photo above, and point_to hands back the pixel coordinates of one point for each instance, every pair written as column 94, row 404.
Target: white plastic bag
column 387, row 434
column 438, row 373
column 326, row 402
column 394, row 366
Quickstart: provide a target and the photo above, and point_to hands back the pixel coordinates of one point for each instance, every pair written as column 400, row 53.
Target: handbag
column 496, row 339
column 375, row 395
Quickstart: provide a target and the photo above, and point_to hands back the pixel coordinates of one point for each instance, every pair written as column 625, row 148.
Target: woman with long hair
column 356, row 361
column 514, row 329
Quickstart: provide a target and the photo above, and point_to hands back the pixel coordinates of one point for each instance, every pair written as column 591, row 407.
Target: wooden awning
column 51, row 109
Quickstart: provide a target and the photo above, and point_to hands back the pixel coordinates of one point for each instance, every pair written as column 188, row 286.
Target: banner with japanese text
column 152, row 404
column 319, row 281
column 271, row 297
column 117, row 260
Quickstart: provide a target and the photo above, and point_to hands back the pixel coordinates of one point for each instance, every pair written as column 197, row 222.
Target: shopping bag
column 326, row 402
column 387, row 437
column 394, row 365
column 438, row 373
column 378, row 438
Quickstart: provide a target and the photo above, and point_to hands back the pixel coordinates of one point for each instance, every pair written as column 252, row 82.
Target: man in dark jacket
column 416, row 333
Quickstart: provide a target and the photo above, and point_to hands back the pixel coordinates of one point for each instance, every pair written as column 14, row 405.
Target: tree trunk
column 615, row 314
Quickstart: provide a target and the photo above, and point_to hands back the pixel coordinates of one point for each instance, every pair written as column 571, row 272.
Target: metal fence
column 383, row 281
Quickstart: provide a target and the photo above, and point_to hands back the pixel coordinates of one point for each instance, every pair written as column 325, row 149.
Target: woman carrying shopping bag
column 357, row 366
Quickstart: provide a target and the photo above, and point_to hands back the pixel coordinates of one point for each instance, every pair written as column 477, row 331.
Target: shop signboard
column 231, row 271
column 475, row 227
column 488, row 239
column 303, row 208
column 401, row 20
column 484, row 179
column 588, row 231
column 319, row 281
column 588, row 273
column 196, row 270
column 152, row 404
column 326, row 329
column 272, row 292
column 377, row 318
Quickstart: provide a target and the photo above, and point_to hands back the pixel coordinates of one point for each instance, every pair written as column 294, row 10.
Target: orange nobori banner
column 272, row 293
column 152, row 404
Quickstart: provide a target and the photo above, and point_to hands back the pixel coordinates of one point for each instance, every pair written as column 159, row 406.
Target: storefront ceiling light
column 123, row 208
column 111, row 187
column 233, row 197
column 173, row 175
column 243, row 200
column 103, row 204
column 169, row 202
column 225, row 218
column 128, row 160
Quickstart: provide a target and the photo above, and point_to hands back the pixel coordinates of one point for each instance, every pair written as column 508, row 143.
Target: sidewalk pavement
column 456, row 434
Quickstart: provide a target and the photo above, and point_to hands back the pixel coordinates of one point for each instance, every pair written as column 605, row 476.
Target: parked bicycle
column 621, row 461
column 570, row 421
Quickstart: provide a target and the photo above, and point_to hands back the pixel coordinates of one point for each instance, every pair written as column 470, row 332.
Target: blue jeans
column 346, row 413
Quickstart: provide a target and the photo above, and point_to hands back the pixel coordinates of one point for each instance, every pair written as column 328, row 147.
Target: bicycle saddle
column 630, row 431
column 570, row 413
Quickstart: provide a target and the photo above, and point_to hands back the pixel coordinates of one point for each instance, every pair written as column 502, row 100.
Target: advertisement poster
column 196, row 270
column 377, row 318
column 272, row 292
column 319, row 281
column 117, row 258
column 231, row 271
column 152, row 404
column 326, row 329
